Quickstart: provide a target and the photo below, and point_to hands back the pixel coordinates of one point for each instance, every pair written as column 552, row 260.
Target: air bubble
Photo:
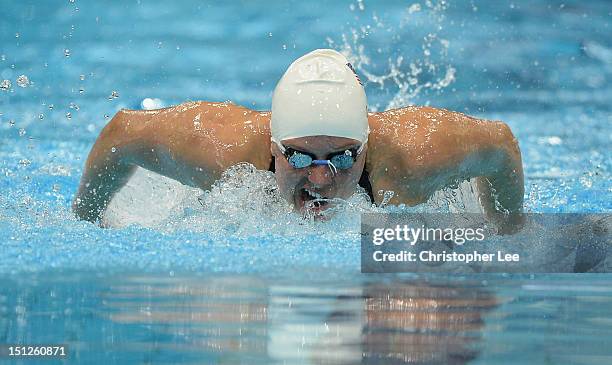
column 66, row 53
column 41, row 116
column 82, row 77
column 11, row 123
column 68, row 115
column 22, row 132
column 113, row 95
column 114, row 149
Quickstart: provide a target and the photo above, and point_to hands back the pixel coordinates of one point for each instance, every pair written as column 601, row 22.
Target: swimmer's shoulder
column 199, row 116
column 411, row 117
column 210, row 134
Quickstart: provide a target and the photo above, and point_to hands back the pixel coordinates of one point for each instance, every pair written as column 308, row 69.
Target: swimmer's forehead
column 321, row 143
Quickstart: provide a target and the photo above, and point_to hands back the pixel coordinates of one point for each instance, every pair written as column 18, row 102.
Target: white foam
column 245, row 203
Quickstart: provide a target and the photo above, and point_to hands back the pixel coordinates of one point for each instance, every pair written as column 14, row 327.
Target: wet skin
column 412, row 151
column 300, row 186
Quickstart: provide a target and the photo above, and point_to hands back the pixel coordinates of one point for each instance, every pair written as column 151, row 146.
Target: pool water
column 230, row 275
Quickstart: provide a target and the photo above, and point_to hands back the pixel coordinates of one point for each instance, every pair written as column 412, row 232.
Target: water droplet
column 23, row 81
column 5, row 85
column 66, row 53
column 414, row 8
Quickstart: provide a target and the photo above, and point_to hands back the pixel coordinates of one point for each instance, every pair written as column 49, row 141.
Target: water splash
column 151, row 103
column 114, row 95
column 405, row 75
column 23, row 81
column 245, row 203
column 5, row 85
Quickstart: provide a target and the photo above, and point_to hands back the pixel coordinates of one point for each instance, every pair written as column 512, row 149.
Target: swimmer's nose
column 320, row 175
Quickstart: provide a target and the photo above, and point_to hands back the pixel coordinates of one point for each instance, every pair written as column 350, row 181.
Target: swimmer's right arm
column 192, row 143
column 108, row 166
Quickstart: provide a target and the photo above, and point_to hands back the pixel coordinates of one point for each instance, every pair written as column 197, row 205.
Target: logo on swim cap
column 320, row 94
column 322, row 70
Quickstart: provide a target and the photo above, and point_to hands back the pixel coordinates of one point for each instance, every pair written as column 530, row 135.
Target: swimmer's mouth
column 313, row 200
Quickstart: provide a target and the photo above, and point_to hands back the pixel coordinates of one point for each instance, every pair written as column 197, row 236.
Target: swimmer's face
column 299, row 186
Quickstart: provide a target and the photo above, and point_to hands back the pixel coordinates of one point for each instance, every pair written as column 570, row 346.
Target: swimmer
column 318, row 139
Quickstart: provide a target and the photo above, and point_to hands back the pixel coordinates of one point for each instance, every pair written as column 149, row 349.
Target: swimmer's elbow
column 116, row 126
column 121, row 131
column 502, row 137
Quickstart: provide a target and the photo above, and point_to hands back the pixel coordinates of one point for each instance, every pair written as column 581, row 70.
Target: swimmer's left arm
column 429, row 149
column 500, row 178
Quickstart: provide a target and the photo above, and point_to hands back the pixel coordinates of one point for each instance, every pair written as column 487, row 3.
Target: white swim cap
column 319, row 94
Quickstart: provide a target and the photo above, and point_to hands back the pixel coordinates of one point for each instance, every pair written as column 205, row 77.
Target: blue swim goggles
column 342, row 160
